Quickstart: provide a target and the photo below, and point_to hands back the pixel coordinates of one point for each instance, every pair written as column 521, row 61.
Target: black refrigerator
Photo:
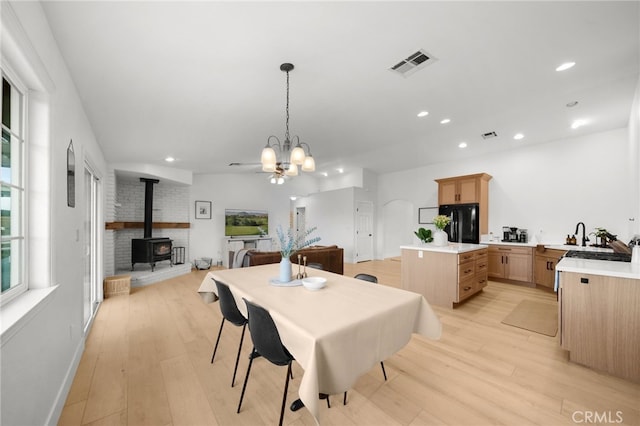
column 465, row 222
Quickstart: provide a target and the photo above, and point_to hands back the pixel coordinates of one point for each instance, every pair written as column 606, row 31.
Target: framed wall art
column 203, row 209
column 426, row 214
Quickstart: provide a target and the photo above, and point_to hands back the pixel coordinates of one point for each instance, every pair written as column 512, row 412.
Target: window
column 12, row 190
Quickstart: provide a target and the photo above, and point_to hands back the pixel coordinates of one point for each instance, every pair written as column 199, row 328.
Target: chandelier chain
column 286, row 134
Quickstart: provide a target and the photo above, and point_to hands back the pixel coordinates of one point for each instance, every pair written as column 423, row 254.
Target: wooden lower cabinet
column 545, row 261
column 444, row 279
column 599, row 319
column 511, row 263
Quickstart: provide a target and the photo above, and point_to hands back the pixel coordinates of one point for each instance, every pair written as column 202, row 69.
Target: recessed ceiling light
column 423, row 113
column 572, row 104
column 340, row 170
column 578, row 123
column 565, row 66
column 462, row 145
column 518, row 136
column 169, row 159
column 293, row 198
column 445, row 121
column 325, row 174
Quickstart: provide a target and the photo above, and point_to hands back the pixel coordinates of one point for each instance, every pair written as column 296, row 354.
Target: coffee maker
column 512, row 234
column 509, row 234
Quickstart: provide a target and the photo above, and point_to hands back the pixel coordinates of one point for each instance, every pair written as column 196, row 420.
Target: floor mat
column 534, row 316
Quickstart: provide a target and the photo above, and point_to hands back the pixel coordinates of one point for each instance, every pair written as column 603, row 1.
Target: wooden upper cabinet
column 464, row 189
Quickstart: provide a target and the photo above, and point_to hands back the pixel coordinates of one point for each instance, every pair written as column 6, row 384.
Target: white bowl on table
column 314, row 283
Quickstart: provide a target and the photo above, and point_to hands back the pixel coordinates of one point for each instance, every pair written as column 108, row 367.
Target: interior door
column 91, row 281
column 364, row 231
column 301, row 221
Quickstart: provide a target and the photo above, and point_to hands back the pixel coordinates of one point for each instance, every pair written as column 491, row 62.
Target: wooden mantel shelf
column 140, row 225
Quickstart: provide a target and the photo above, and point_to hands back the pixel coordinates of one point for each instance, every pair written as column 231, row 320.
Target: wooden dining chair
column 231, row 313
column 266, row 343
column 371, row 279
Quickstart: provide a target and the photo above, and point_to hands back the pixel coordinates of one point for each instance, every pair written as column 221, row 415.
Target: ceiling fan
column 278, row 176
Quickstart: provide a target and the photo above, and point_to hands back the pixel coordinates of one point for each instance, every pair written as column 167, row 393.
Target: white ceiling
column 200, row 81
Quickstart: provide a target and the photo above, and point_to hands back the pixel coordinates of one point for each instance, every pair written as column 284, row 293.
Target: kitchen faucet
column 584, row 238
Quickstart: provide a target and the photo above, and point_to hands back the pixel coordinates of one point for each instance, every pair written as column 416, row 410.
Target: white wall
column 634, row 163
column 237, row 191
column 39, row 360
column 332, row 212
column 548, row 187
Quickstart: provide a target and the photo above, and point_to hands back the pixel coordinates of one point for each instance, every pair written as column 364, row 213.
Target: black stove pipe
column 148, row 205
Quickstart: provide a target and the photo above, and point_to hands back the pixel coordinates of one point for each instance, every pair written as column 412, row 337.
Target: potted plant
column 424, row 235
column 601, row 233
column 440, row 238
column 289, row 245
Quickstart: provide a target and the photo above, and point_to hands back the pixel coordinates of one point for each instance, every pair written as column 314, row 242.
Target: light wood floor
column 147, row 362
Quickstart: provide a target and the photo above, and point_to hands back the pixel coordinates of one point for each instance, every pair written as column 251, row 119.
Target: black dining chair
column 367, row 277
column 266, row 343
column 371, row 279
column 315, row 265
column 231, row 313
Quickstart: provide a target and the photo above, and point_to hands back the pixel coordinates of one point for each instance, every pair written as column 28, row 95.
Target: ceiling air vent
column 413, row 63
column 489, row 135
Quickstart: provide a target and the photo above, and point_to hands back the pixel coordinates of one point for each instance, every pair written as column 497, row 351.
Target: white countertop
column 599, row 267
column 453, row 248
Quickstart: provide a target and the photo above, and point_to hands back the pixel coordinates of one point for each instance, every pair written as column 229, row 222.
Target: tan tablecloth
column 337, row 333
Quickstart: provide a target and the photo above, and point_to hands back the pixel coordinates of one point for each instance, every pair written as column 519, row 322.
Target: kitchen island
column 445, row 275
column 599, row 314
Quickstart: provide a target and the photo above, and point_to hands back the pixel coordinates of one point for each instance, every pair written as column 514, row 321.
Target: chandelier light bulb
column 297, row 155
column 269, row 168
column 292, row 170
column 268, row 156
column 280, row 180
column 273, row 179
column 309, row 164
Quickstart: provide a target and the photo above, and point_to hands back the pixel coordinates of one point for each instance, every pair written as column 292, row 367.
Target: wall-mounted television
column 245, row 222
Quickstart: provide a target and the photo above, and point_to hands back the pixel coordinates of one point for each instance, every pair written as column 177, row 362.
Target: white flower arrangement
column 289, row 244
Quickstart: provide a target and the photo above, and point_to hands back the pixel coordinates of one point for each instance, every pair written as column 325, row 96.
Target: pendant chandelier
column 283, row 158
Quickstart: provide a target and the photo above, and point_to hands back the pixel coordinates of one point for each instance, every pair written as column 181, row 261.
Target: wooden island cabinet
column 599, row 315
column 447, row 275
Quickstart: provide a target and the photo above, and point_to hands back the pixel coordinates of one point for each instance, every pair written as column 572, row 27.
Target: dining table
column 336, row 333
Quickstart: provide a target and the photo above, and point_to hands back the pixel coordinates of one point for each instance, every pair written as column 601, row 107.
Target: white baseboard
column 61, row 398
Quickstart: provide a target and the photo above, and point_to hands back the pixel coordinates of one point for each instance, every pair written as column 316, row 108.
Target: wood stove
column 148, row 249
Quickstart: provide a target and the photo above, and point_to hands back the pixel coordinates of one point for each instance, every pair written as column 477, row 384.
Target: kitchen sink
column 596, row 255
